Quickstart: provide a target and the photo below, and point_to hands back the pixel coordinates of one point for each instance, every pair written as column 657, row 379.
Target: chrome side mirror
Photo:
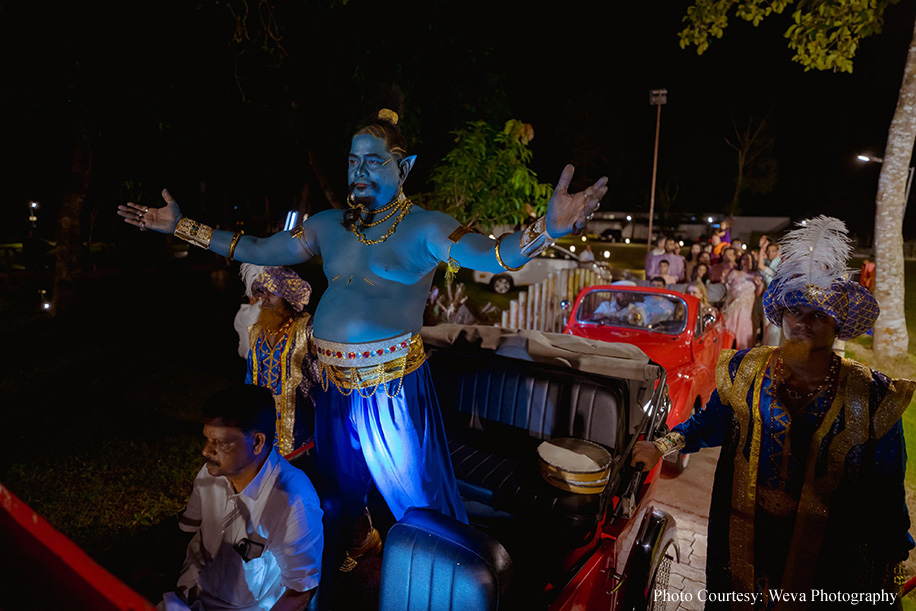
column 564, row 304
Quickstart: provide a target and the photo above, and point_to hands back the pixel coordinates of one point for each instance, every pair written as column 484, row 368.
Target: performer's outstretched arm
column 566, row 213
column 283, row 248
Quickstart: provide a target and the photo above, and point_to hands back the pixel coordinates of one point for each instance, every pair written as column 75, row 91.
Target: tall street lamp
column 657, row 97
column 909, row 178
column 33, row 214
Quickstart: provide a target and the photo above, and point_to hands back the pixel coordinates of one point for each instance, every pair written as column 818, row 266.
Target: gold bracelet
column 233, row 244
column 670, row 443
column 500, row 259
column 452, row 265
column 194, row 232
column 535, row 239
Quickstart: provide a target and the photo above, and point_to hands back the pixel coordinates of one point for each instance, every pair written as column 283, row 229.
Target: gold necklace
column 378, row 222
column 283, row 328
column 398, row 200
column 405, row 208
column 797, row 396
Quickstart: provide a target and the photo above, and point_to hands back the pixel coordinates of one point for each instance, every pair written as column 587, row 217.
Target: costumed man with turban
column 279, row 354
column 808, row 496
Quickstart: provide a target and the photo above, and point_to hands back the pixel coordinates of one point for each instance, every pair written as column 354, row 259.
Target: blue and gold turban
column 849, row 303
column 812, row 272
column 280, row 281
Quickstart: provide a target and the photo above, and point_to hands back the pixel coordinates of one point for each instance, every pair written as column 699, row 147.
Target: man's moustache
column 370, row 183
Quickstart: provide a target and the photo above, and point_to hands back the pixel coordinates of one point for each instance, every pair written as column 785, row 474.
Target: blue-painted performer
column 378, row 416
column 808, row 497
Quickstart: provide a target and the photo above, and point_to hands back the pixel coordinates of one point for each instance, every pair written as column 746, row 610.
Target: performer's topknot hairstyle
column 385, row 126
column 383, row 122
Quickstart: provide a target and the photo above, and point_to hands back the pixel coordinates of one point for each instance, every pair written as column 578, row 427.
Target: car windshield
column 652, row 311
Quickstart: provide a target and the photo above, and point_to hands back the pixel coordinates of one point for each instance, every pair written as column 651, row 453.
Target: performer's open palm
column 162, row 219
column 568, row 212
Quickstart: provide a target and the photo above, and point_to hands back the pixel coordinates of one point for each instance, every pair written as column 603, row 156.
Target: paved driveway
column 687, row 498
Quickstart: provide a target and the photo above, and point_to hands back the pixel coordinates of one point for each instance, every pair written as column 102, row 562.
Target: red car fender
column 596, row 587
column 682, row 393
column 602, row 582
column 689, row 386
column 71, row 579
column 657, row 536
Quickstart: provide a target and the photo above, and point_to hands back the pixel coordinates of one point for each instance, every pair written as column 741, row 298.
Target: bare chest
column 401, row 258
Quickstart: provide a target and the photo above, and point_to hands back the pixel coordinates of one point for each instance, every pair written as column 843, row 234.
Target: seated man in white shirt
column 616, row 308
column 257, row 519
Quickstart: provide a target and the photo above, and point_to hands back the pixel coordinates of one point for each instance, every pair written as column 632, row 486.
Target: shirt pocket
column 236, row 582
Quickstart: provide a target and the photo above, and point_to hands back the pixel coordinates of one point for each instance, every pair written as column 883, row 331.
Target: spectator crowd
column 726, row 275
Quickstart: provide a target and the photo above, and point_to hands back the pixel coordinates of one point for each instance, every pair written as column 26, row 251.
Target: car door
column 707, row 343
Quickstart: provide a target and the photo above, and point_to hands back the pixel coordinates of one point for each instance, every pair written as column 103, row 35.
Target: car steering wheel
column 636, row 318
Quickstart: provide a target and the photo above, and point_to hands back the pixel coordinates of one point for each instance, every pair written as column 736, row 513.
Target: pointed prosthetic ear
column 405, row 166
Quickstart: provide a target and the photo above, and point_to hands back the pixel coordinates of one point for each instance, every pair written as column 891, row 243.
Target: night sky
column 155, row 84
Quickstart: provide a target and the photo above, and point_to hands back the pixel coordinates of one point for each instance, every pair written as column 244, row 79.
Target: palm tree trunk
column 70, row 251
column 891, row 339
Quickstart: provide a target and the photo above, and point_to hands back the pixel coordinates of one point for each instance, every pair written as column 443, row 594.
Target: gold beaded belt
column 369, row 365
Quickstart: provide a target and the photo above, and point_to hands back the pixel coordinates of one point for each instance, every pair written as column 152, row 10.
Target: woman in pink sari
column 744, row 286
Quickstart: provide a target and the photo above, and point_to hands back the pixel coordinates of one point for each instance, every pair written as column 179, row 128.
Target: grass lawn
column 100, row 411
column 860, row 349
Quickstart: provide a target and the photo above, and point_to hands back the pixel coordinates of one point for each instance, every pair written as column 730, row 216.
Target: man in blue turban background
column 808, row 496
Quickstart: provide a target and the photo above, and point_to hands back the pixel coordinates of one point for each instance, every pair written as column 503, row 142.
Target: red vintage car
column 672, row 328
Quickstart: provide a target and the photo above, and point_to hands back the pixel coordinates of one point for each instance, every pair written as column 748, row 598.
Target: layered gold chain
column 402, row 209
column 392, row 205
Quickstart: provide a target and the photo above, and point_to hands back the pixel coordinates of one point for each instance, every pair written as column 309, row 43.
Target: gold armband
column 233, row 244
column 500, row 259
column 670, row 443
column 535, row 239
column 459, row 233
column 299, row 234
column 452, row 264
column 194, row 232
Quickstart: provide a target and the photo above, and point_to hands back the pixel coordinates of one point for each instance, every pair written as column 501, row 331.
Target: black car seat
column 435, row 563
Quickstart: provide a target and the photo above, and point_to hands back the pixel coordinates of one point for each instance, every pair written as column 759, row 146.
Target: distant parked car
column 671, row 328
column 551, row 260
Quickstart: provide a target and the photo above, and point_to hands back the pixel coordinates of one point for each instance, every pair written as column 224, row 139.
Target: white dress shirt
column 278, row 510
